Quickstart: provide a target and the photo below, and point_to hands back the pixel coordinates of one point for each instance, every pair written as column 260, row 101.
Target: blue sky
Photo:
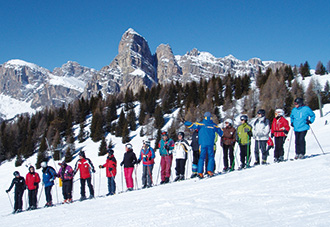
column 50, row 33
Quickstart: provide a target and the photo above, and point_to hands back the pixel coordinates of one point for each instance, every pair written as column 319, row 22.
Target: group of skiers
column 202, row 148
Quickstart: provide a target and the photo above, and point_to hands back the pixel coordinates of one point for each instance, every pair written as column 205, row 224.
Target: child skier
column 20, row 186
column 111, row 170
column 180, row 152
column 147, row 155
column 128, row 161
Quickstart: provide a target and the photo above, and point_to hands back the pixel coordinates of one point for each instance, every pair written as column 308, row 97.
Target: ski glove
column 308, row 122
column 285, row 131
column 110, row 169
column 122, row 163
column 35, row 184
column 150, row 158
column 93, row 171
column 166, row 147
column 7, row 191
column 138, row 161
column 272, row 135
column 292, row 124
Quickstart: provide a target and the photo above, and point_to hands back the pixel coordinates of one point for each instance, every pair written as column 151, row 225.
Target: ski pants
column 279, row 150
column 245, row 154
column 300, row 142
column 18, row 200
column 33, row 198
column 195, row 161
column 260, row 145
column 210, row 152
column 48, row 193
column 147, row 175
column 111, row 185
column 90, row 186
column 166, row 163
column 128, row 176
column 180, row 166
column 67, row 189
column 228, row 150
column 207, row 162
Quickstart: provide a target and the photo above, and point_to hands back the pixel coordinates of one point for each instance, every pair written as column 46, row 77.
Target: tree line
column 118, row 115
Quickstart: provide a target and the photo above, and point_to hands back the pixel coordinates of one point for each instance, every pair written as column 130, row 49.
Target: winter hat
column 43, row 164
column 279, row 112
column 182, row 134
column 31, row 167
column 110, row 152
column 129, row 146
column 229, row 121
column 82, row 154
column 16, row 173
column 207, row 114
column 62, row 163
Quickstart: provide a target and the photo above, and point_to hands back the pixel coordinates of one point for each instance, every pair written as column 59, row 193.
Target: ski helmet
column 147, row 142
column 43, row 164
column 129, row 146
column 31, row 168
column 244, row 118
column 164, row 133
column 299, row 101
column 229, row 121
column 110, row 152
column 262, row 112
column 16, row 173
column 181, row 133
column 279, row 112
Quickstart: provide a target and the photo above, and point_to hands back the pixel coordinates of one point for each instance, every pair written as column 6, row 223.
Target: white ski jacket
column 181, row 149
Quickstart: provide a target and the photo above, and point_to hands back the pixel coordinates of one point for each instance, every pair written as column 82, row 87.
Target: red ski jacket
column 111, row 163
column 32, row 180
column 278, row 127
column 84, row 166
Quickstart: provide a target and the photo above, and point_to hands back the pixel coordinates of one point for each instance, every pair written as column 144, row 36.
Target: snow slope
column 292, row 193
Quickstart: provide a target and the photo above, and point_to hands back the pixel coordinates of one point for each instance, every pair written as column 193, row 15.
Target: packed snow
column 292, row 193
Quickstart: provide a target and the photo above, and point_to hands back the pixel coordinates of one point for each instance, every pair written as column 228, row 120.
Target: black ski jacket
column 19, row 184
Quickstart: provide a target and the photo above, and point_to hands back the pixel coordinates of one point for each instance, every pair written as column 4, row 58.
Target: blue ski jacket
column 206, row 131
column 299, row 116
column 48, row 176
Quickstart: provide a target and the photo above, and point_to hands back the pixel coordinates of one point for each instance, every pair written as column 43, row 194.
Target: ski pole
column 10, row 201
column 158, row 174
column 289, row 145
column 38, row 200
column 122, row 182
column 317, row 140
column 136, row 182
column 26, row 201
column 99, row 182
column 235, row 156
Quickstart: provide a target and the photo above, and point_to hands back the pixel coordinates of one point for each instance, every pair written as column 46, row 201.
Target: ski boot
column 193, row 175
column 200, row 176
column 181, row 177
column 177, row 178
column 167, row 180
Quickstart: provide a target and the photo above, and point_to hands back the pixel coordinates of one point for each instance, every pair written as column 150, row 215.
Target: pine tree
column 57, row 146
column 328, row 67
column 311, row 96
column 125, row 134
column 97, row 125
column 159, row 118
column 111, row 114
column 41, row 157
column 111, row 144
column 19, row 160
column 103, row 147
column 82, row 135
column 158, row 138
column 297, row 90
column 320, row 69
column 142, row 115
column 131, row 119
column 142, row 132
column 68, row 155
column 121, row 123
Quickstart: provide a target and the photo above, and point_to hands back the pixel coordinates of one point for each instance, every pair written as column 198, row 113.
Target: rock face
column 131, row 68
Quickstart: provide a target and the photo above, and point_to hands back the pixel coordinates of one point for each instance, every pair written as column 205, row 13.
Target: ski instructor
column 301, row 116
column 206, row 134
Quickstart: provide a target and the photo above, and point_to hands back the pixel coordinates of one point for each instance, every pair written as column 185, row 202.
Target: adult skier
column 261, row 129
column 48, row 177
column 228, row 140
column 20, row 186
column 301, row 117
column 129, row 161
column 166, row 146
column 85, row 167
column 244, row 134
column 206, row 135
column 111, row 170
column 280, row 129
column 147, row 155
column 66, row 175
column 180, row 152
column 32, row 181
column 196, row 152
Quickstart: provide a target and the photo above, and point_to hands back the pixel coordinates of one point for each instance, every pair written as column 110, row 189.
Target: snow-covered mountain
column 133, row 67
column 292, row 193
